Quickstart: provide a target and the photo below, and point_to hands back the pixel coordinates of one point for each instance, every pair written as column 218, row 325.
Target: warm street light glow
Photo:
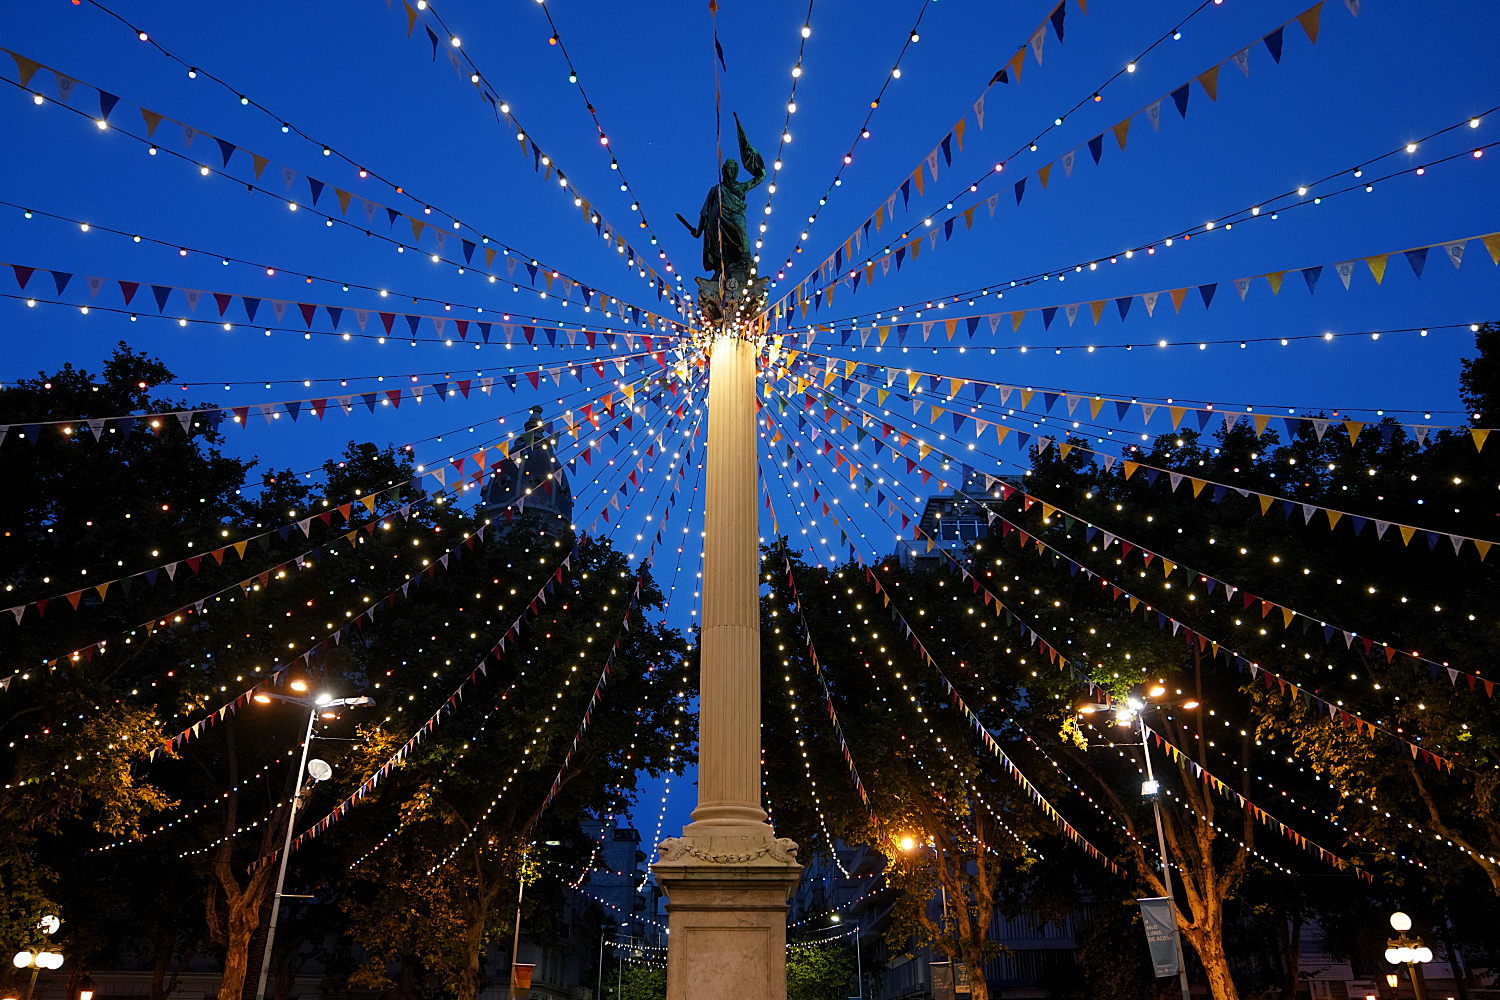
column 298, row 686
column 1157, row 691
column 1400, row 922
column 908, row 843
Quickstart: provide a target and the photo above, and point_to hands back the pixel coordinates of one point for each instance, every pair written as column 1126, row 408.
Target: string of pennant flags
column 1199, row 486
column 983, row 732
column 1078, row 673
column 919, row 382
column 1009, row 72
column 454, row 553
column 627, row 314
column 374, row 322
column 434, row 483
column 833, row 715
column 80, row 97
column 1198, row 771
column 546, row 165
column 213, row 418
column 1151, row 614
column 245, row 99
column 489, row 455
column 1376, row 264
column 491, row 657
column 965, row 471
column 831, row 272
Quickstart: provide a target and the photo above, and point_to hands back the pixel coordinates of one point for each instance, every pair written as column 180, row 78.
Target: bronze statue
column 721, row 226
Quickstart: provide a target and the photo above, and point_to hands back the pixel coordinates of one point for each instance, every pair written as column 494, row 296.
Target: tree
column 819, row 971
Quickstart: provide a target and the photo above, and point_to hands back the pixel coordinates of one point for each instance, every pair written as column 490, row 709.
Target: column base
column 726, row 913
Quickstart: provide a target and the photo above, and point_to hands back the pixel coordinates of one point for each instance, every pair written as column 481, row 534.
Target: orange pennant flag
column 1121, row 131
column 1310, row 19
column 1209, row 79
column 1178, row 294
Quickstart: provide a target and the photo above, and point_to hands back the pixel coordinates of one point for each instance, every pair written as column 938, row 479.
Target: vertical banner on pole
column 1160, row 921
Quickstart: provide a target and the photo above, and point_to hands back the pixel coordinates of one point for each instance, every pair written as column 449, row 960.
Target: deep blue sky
column 348, row 75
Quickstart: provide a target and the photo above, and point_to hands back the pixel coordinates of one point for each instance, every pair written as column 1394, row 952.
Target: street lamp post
column 324, row 705
column 1132, row 712
column 1408, row 950
column 859, row 966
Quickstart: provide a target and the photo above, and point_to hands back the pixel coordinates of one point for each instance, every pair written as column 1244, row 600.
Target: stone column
column 727, row 878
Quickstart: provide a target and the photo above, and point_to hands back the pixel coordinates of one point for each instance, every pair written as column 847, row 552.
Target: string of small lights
column 187, row 251
column 635, row 259
column 475, row 828
column 934, row 235
column 556, row 41
column 363, row 171
column 786, row 125
column 330, row 221
column 1010, row 73
column 1335, row 709
column 1095, row 97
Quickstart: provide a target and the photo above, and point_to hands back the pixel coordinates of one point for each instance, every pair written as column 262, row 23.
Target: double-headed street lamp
column 1131, row 713
column 1407, row 950
column 325, row 706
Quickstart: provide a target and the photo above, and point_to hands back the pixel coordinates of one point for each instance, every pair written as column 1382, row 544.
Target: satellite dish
column 319, row 770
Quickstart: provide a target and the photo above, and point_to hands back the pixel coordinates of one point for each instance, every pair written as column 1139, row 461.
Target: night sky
column 348, row 76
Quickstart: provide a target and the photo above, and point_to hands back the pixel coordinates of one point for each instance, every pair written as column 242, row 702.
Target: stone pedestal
column 726, row 914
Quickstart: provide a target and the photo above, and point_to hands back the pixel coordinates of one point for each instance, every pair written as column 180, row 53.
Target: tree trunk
column 1210, row 951
column 242, row 911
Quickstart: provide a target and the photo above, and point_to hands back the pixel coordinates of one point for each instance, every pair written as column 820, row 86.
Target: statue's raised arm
column 750, row 157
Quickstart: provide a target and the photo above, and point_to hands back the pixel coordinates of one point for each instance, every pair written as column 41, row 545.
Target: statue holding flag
column 726, row 241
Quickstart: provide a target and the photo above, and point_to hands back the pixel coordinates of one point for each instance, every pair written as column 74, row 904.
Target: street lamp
column 37, row 960
column 326, row 706
column 1407, row 950
column 1131, row 712
column 859, row 965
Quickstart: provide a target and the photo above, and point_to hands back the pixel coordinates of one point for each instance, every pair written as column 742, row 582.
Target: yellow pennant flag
column 1492, row 244
column 1309, row 19
column 1178, row 294
column 954, row 384
column 1129, row 469
column 1287, row 614
column 1265, row 502
column 344, row 198
column 1134, row 603
column 1121, row 131
column 1479, row 434
column 1015, row 320
column 1097, row 308
column 1406, row 532
column 152, row 120
column 1482, row 546
column 885, row 332
column 1016, row 62
column 1260, row 420
column 849, row 367
column 1334, row 516
column 968, row 218
column 911, row 381
column 952, row 326
column 923, row 450
column 239, row 548
column 879, row 218
column 1377, row 266
column 411, row 18
column 1209, row 79
column 1353, row 427
column 1043, row 174
column 921, row 182
column 937, row 411
column 1178, row 412
column 101, row 590
column 958, row 132
column 1274, row 280
column 1026, row 395
column 1095, row 405
column 1167, row 566
column 880, row 395
column 1001, row 433
column 1198, row 485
